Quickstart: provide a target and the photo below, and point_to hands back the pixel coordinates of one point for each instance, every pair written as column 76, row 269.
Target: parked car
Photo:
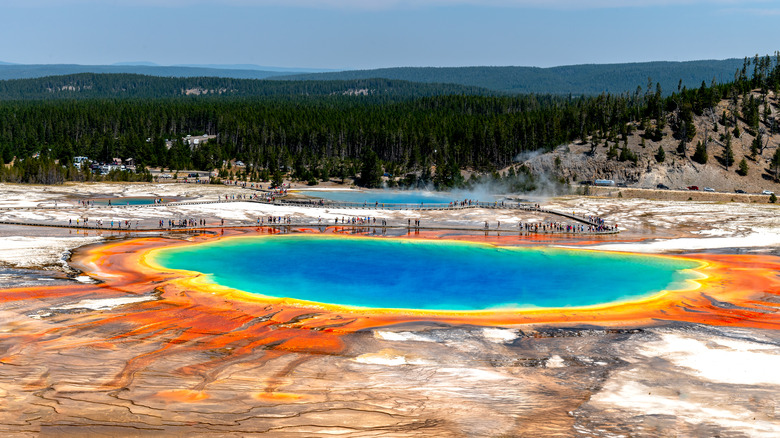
column 709, row 189
column 662, row 187
column 622, row 185
column 739, row 191
column 693, row 187
column 767, row 192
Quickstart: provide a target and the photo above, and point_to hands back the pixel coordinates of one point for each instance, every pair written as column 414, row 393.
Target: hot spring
column 131, row 201
column 386, row 196
column 423, row 274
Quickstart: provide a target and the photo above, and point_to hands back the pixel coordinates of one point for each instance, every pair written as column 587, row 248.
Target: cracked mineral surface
column 92, row 344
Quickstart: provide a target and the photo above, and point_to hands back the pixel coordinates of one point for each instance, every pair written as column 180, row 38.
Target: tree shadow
column 722, row 161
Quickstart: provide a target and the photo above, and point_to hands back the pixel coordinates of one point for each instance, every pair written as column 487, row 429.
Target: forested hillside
column 269, row 132
column 431, row 138
column 104, row 86
column 591, row 79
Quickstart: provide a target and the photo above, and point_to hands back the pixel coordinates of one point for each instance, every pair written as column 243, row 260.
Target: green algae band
column 419, row 274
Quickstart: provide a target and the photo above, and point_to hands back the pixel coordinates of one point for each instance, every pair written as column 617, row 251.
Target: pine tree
column 448, row 175
column 700, row 155
column 774, row 164
column 728, row 152
column 627, row 154
column 278, row 179
column 612, row 152
column 756, row 145
column 370, row 170
column 660, row 156
column 682, row 148
column 743, row 168
column 343, row 174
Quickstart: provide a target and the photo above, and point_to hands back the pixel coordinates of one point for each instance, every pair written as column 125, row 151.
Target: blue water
column 418, row 274
column 131, row 201
column 385, row 196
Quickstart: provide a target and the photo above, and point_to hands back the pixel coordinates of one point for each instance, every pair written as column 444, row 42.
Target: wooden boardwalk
column 507, row 206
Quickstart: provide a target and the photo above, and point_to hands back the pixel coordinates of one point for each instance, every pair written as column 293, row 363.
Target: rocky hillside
column 601, row 158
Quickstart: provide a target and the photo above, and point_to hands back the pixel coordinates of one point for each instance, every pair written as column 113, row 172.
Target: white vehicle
column 80, row 161
column 767, row 192
column 709, row 189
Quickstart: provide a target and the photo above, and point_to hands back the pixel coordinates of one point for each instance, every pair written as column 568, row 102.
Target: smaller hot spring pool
column 388, row 196
column 131, row 201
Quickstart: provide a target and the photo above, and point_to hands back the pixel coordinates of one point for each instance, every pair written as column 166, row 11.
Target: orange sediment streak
column 191, row 315
column 183, row 395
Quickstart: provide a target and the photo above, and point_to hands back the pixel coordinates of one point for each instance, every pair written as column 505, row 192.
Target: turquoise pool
column 422, row 274
column 385, row 196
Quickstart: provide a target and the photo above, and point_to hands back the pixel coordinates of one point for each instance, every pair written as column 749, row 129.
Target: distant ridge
column 138, row 63
column 589, row 79
column 285, row 70
column 28, row 71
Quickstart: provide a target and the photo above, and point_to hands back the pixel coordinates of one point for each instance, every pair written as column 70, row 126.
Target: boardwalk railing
column 509, row 230
column 418, row 206
column 330, row 205
column 497, row 205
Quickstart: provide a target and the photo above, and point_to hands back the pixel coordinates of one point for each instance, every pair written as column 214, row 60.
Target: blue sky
column 354, row 34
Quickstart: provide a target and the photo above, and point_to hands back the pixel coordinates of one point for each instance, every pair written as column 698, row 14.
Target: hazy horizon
column 314, row 69
column 370, row 34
